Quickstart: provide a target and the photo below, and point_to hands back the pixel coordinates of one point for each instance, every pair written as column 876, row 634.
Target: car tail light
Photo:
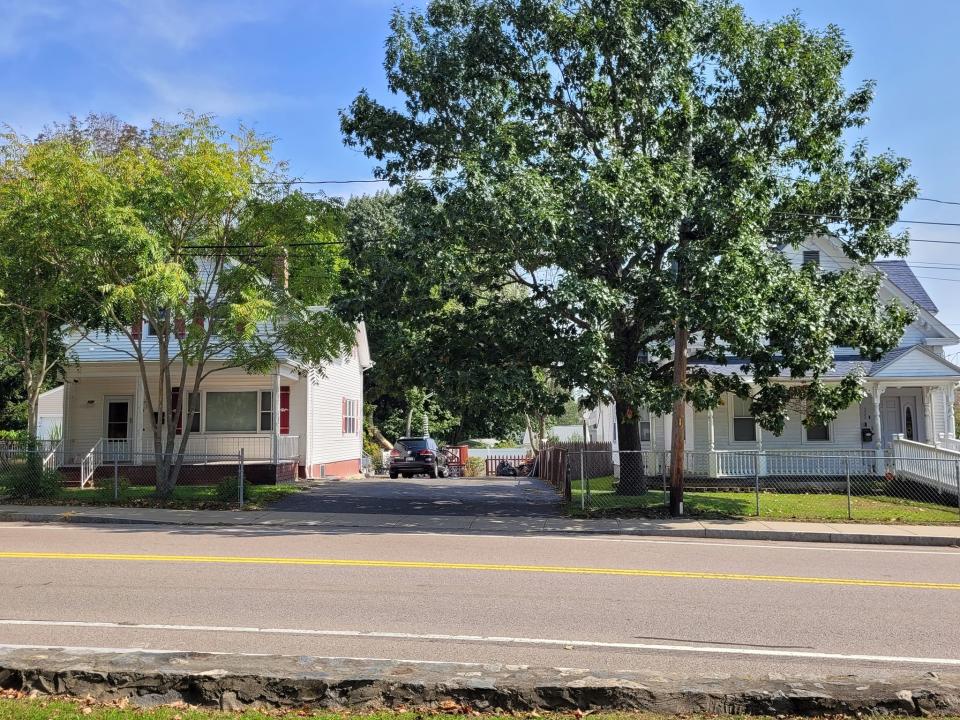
column 394, row 453
column 426, row 453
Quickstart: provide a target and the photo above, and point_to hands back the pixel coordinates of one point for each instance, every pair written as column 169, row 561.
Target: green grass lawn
column 203, row 497
column 781, row 506
column 45, row 709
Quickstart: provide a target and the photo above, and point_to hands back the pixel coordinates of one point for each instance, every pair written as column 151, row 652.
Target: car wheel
column 393, row 475
column 432, row 472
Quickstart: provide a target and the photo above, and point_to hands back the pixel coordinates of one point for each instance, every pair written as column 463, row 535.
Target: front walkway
column 280, row 521
column 460, row 496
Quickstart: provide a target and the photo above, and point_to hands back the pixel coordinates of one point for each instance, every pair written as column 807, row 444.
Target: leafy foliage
column 192, row 230
column 610, row 176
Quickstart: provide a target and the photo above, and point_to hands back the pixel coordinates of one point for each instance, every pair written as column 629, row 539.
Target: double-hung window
column 351, row 420
column 744, row 424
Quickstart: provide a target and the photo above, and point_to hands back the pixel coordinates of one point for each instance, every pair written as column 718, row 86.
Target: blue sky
column 287, row 66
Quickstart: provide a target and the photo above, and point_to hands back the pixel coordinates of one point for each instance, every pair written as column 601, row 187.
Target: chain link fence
column 38, row 475
column 844, row 485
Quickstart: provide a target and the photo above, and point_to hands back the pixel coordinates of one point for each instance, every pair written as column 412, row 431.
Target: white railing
column 91, row 461
column 740, row 463
column 54, row 459
column 932, row 466
column 949, row 443
column 201, row 446
column 289, row 447
column 116, row 450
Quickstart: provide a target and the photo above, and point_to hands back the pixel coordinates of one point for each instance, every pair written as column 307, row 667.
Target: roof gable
column 916, row 361
column 900, row 274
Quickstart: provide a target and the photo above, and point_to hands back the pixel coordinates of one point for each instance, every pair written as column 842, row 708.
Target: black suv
column 417, row 456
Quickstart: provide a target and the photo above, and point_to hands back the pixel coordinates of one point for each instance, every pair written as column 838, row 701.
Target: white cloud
column 174, row 92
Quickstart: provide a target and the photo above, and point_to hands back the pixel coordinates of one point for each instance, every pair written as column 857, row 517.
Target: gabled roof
column 929, row 364
column 900, row 274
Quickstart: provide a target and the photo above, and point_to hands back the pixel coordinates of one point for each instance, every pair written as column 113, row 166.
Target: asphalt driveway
column 494, row 496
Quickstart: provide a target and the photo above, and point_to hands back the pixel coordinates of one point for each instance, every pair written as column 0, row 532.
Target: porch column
column 877, row 425
column 65, row 420
column 136, row 442
column 275, row 421
column 711, row 445
column 761, row 458
column 950, row 394
column 928, row 424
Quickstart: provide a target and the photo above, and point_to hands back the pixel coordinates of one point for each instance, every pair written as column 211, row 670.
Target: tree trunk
column 678, row 443
column 632, row 479
column 381, row 440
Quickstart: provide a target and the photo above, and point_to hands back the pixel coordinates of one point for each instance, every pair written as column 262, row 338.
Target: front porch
column 727, row 444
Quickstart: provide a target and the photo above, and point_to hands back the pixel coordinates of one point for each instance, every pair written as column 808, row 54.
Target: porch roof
column 845, row 363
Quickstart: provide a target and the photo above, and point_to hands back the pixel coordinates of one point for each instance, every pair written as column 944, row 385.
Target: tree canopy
column 197, row 256
column 635, row 166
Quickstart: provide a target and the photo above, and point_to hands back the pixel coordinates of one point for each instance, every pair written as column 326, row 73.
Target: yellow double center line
column 424, row 565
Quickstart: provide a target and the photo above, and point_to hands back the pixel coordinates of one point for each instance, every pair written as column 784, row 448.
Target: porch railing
column 91, row 461
column 54, row 459
column 936, row 467
column 949, row 443
column 203, row 445
column 746, row 463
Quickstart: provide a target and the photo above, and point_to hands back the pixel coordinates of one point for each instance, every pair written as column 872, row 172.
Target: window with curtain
column 744, row 425
column 232, row 411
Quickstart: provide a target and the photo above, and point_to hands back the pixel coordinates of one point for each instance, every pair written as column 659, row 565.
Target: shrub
column 105, row 485
column 13, row 435
column 476, row 467
column 228, row 490
column 29, row 482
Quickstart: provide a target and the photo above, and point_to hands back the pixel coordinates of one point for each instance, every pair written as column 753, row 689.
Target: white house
column 320, row 411
column 910, row 393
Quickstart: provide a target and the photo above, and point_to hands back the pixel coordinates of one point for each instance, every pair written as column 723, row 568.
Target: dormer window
column 811, row 257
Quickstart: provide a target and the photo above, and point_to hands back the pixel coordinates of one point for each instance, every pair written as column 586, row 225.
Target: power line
column 359, row 181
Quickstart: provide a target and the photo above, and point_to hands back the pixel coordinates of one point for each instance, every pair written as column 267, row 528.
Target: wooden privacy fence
column 597, row 458
column 551, row 466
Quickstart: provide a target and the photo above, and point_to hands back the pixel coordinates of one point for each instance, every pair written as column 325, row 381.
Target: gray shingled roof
column 900, row 274
column 843, row 365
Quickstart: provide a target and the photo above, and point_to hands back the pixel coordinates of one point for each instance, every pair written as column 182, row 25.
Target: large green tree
column 200, row 259
column 637, row 165
column 438, row 347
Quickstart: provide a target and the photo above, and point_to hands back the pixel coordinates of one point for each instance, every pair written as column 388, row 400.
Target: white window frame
column 732, row 417
column 831, row 439
column 351, row 417
column 204, row 414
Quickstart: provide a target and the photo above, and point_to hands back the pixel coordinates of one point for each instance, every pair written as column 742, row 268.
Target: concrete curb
column 233, row 682
column 574, row 527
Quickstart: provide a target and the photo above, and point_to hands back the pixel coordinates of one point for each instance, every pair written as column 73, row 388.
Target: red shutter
column 285, row 410
column 136, row 330
column 180, row 327
column 174, row 402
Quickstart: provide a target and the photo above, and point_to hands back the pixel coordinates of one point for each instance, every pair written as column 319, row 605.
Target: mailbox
column 866, row 434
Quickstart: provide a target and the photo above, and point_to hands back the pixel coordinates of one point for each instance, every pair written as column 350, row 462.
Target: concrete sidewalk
column 928, row 535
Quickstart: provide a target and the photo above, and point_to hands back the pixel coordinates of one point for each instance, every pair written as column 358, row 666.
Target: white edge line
column 589, row 644
column 954, row 551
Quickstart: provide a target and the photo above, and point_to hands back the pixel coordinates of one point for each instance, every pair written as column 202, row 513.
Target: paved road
column 500, row 497
column 588, row 602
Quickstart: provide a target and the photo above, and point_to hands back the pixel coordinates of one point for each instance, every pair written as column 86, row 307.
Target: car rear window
column 413, row 444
